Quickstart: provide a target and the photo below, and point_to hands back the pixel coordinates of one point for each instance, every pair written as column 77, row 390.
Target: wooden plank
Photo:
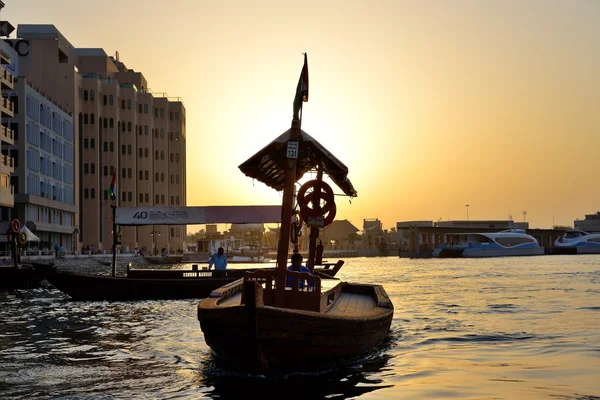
column 362, row 302
column 351, row 304
column 340, row 305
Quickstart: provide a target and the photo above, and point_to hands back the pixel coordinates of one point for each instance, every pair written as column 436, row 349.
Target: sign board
column 130, row 216
column 292, row 150
column 316, row 222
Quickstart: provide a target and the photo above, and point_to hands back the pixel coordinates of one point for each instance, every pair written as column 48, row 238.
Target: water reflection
column 341, row 381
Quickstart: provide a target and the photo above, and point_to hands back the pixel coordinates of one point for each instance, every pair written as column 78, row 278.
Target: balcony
column 7, row 108
column 4, row 57
column 7, row 135
column 6, row 79
column 7, row 160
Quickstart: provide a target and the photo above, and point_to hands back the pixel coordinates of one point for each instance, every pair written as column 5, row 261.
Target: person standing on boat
column 219, row 259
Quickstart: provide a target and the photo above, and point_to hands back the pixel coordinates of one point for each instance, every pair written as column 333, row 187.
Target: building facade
column 591, row 223
column 44, row 170
column 119, row 126
column 8, row 70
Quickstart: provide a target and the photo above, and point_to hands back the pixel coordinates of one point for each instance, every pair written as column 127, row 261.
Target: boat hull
column 576, row 250
column 98, row 288
column 474, row 252
column 280, row 340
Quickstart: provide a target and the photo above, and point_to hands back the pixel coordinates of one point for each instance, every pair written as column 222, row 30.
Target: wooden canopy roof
column 268, row 165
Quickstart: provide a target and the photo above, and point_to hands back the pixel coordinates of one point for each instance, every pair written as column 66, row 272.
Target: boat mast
column 286, row 216
column 314, row 232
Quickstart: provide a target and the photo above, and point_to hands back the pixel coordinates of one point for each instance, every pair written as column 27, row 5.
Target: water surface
column 501, row 328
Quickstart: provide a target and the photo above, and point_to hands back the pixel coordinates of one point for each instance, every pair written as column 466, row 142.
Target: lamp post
column 467, row 212
column 524, row 214
column 154, row 233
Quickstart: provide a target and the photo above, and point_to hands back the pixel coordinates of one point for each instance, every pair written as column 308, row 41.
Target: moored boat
column 577, row 242
column 511, row 242
column 168, row 259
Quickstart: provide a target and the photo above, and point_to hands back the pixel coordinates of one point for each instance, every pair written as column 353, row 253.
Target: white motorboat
column 577, row 242
column 511, row 242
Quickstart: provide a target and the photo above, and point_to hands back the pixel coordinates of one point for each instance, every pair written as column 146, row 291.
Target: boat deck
column 349, row 304
column 352, row 304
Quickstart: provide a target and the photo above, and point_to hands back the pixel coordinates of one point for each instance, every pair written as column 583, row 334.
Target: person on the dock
column 296, row 267
column 219, row 259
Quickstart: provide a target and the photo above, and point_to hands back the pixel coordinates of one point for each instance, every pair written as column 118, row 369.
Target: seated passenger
column 296, row 267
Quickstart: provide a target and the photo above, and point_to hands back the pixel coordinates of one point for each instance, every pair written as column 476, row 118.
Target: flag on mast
column 301, row 89
column 112, row 190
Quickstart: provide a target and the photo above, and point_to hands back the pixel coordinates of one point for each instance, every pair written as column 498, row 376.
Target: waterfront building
column 8, row 70
column 44, row 171
column 119, row 126
column 591, row 223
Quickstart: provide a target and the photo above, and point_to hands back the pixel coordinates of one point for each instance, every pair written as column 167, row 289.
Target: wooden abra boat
column 287, row 321
column 149, row 284
column 174, row 259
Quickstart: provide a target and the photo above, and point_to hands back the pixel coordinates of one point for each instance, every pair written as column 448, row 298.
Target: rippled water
column 482, row 329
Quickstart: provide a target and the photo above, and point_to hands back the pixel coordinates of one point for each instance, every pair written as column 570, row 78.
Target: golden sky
column 431, row 104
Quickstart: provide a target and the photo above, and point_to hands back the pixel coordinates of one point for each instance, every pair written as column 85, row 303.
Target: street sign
column 316, row 222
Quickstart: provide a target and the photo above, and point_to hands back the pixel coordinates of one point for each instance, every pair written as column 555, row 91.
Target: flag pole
column 114, row 255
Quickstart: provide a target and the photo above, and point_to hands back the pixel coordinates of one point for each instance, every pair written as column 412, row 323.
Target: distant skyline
column 431, row 105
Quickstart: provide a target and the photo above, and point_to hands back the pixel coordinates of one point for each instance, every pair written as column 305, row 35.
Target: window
column 92, row 168
column 92, row 95
column 162, row 133
column 162, row 155
column 141, row 198
column 140, row 152
column 112, row 146
column 157, row 177
column 123, row 173
column 147, row 198
column 112, row 170
column 129, row 196
column 145, row 108
column 140, row 130
column 177, row 179
column 123, row 196
column 111, row 100
column 171, row 157
column 85, row 169
column 105, row 146
column 106, row 195
column 171, row 116
column 162, row 112
column 105, row 123
column 123, row 126
column 162, row 199
column 128, row 104
column 156, row 155
column 171, row 136
column 146, row 176
column 162, row 176
column 86, row 193
column 85, row 143
column 172, row 200
column 92, row 119
column 129, row 126
column 92, row 143
column 157, row 199
column 129, row 149
column 104, row 100
column 92, row 193
column 85, row 94
column 85, row 119
column 112, row 123
column 129, row 174
column 105, row 170
column 177, row 200
column 123, row 149
column 141, row 175
column 155, row 132
column 171, row 177
column 146, row 152
column 176, row 157
column 172, row 231
column 156, row 113
column 123, row 104
column 140, row 108
column 145, row 130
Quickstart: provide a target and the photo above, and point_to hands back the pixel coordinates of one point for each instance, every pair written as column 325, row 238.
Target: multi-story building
column 119, row 125
column 591, row 223
column 44, row 171
column 8, row 69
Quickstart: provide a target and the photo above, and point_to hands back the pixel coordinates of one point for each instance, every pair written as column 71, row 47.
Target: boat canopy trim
column 268, row 165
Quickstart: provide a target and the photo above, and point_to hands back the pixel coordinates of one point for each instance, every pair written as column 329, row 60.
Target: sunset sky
column 432, row 105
